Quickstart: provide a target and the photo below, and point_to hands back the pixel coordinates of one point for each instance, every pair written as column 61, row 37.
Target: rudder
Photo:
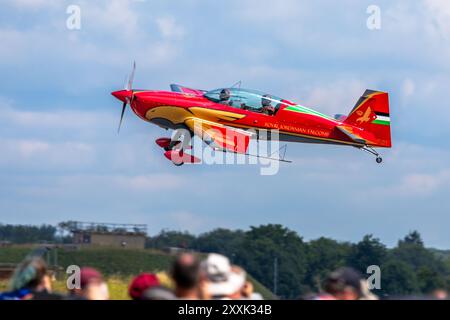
column 371, row 113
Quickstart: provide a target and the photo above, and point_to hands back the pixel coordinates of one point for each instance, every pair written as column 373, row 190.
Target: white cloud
column 63, row 124
column 412, row 170
column 45, row 155
column 184, row 220
column 105, row 193
column 116, row 17
column 150, row 182
column 439, row 14
column 335, row 98
column 27, row 149
column 65, row 119
column 37, row 143
column 269, row 11
column 402, row 17
column 113, row 33
column 419, row 31
column 420, row 184
column 169, row 28
column 408, row 88
column 100, row 187
column 67, row 138
column 15, row 45
column 32, row 4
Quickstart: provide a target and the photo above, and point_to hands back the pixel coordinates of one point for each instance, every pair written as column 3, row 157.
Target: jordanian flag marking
column 382, row 118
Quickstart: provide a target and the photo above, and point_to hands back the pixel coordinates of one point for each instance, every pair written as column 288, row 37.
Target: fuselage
column 294, row 122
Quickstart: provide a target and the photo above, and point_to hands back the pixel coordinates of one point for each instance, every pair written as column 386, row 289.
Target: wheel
column 379, row 160
column 178, row 162
column 172, row 145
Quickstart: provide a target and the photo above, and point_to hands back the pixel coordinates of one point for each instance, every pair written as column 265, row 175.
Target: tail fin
column 371, row 113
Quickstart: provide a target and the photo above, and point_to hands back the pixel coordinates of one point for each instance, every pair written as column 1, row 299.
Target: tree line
column 407, row 269
column 20, row 234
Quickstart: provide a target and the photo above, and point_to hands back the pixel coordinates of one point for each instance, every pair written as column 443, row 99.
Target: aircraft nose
column 122, row 94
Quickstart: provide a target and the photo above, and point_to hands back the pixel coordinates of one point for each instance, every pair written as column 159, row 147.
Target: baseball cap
column 89, row 275
column 223, row 279
column 141, row 283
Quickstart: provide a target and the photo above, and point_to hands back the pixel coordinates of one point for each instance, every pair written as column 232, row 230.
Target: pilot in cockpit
column 267, row 107
column 224, row 97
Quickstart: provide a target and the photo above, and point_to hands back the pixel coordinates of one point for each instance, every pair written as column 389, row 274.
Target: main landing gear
column 372, row 151
column 175, row 147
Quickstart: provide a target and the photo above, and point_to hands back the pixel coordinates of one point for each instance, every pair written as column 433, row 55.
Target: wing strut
column 281, row 152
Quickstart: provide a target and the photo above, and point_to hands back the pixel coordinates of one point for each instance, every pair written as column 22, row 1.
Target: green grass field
column 118, row 287
column 118, row 266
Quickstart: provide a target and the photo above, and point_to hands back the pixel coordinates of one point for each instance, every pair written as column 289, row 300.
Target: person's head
column 247, row 290
column 141, row 284
column 92, row 285
column 225, row 95
column 266, row 101
column 440, row 294
column 240, row 282
column 344, row 284
column 186, row 275
column 224, row 281
column 32, row 274
column 366, row 294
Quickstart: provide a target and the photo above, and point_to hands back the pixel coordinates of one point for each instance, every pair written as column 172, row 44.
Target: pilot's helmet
column 225, row 94
column 266, row 101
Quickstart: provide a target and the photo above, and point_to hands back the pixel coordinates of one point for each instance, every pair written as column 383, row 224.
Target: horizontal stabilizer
column 340, row 117
column 348, row 131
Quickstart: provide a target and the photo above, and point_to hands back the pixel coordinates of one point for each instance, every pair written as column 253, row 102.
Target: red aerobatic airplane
column 223, row 119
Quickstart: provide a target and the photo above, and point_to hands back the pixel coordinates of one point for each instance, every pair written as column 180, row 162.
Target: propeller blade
column 128, row 87
column 121, row 116
column 131, row 79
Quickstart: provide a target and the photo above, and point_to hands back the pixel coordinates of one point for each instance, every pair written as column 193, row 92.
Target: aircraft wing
column 219, row 136
column 349, row 132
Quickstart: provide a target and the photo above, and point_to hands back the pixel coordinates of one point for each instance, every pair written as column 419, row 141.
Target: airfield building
column 91, row 234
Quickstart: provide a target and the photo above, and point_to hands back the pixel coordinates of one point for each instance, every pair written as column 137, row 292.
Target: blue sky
column 61, row 157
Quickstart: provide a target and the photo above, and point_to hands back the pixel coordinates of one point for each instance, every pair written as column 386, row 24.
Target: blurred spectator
column 186, row 275
column 248, row 292
column 147, row 286
column 158, row 293
column 31, row 280
column 440, row 294
column 141, row 283
column 213, row 278
column 366, row 294
column 92, row 286
column 343, row 284
column 224, row 282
